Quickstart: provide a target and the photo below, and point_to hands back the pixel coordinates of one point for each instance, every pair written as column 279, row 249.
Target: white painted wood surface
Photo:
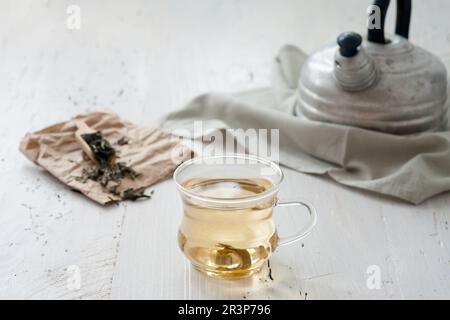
column 142, row 59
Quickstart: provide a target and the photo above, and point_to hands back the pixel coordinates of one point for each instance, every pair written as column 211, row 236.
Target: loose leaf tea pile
column 106, row 171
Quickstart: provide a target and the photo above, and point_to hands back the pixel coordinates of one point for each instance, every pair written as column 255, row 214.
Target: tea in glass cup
column 227, row 229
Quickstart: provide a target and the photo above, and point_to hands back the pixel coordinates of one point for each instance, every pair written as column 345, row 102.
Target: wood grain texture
column 142, row 59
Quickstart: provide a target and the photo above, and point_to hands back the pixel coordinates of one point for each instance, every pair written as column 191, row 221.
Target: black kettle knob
column 348, row 43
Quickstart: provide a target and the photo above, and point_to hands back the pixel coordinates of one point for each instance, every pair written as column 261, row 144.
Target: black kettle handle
column 402, row 22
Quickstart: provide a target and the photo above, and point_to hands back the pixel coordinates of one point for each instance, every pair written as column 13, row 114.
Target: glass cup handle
column 305, row 230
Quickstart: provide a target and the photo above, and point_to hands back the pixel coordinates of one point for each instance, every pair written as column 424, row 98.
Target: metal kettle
column 383, row 83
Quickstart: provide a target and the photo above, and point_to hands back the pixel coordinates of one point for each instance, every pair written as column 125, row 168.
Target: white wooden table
column 142, row 59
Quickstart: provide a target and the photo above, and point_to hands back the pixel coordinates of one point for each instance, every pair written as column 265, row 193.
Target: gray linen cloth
column 413, row 168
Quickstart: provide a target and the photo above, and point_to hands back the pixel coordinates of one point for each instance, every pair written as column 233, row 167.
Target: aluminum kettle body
column 384, row 83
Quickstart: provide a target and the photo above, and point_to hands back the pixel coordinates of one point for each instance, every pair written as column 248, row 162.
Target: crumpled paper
column 153, row 153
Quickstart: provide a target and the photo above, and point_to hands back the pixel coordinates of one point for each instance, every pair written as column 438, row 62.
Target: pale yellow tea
column 222, row 240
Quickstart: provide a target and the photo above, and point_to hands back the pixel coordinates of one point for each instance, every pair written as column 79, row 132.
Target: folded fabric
column 413, row 167
column 152, row 153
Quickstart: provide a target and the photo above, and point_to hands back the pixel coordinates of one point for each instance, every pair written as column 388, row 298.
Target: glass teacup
column 227, row 229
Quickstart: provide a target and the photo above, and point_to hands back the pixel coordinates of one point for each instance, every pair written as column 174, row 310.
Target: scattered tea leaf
column 270, row 270
column 103, row 173
column 122, row 141
column 135, row 194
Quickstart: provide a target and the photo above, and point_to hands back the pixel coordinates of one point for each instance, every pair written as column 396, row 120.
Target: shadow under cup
column 227, row 229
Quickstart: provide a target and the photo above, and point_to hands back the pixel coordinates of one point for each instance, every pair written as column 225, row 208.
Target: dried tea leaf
column 242, row 254
column 135, row 194
column 104, row 173
column 270, row 270
column 102, row 149
column 122, row 141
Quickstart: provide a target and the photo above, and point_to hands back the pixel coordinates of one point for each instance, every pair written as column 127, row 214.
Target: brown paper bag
column 152, row 153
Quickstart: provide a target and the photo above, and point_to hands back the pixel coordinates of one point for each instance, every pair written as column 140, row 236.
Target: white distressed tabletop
column 142, row 59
